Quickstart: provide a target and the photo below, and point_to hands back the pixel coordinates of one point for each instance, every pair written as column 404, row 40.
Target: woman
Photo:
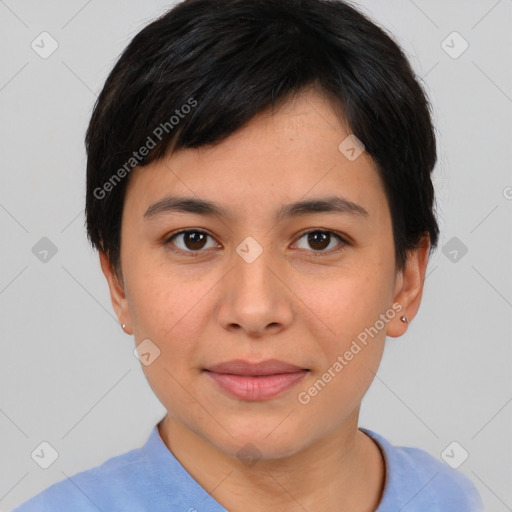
column 259, row 190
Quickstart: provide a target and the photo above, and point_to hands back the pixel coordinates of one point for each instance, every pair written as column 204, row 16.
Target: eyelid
column 341, row 236
column 166, row 241
column 344, row 241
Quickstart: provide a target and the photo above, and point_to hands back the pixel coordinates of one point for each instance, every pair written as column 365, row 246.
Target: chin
column 261, row 441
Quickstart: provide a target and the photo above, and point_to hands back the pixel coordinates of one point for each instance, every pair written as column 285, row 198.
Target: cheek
column 170, row 311
column 351, row 356
column 351, row 305
column 349, row 301
column 159, row 296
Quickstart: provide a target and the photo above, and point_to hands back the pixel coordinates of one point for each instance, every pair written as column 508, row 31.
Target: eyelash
column 343, row 242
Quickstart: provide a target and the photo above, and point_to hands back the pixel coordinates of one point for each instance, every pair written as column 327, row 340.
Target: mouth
column 255, row 381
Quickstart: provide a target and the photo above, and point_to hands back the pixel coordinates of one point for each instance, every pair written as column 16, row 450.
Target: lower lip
column 262, row 387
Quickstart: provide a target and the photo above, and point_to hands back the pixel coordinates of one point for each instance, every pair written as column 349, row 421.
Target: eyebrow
column 332, row 204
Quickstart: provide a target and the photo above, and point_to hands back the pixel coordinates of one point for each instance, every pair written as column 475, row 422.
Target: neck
column 343, row 471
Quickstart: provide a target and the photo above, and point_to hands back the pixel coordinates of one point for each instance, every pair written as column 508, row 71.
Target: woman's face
column 251, row 284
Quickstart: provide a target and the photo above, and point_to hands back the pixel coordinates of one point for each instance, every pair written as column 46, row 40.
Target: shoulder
column 416, row 478
column 113, row 484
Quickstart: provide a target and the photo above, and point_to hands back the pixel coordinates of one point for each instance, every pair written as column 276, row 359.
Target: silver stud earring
column 404, row 319
column 123, row 326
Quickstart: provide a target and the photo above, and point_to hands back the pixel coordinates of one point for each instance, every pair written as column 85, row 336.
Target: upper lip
column 241, row 367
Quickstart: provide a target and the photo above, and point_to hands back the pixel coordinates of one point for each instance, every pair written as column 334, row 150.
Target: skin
column 287, row 304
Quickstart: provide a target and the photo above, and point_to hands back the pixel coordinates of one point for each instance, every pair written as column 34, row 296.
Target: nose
column 255, row 298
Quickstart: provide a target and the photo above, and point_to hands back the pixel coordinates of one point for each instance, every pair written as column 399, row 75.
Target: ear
column 409, row 288
column 117, row 292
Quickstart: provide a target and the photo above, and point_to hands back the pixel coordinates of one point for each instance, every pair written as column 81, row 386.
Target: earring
column 404, row 319
column 123, row 326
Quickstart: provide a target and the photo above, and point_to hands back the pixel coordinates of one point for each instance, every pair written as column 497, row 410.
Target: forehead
column 289, row 153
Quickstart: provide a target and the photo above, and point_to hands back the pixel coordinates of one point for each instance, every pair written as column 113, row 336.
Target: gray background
column 68, row 375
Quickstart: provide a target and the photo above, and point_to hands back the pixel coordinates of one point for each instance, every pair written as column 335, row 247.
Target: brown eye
column 191, row 240
column 320, row 241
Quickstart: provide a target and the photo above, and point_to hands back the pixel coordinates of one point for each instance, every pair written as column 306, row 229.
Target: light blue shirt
column 151, row 479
